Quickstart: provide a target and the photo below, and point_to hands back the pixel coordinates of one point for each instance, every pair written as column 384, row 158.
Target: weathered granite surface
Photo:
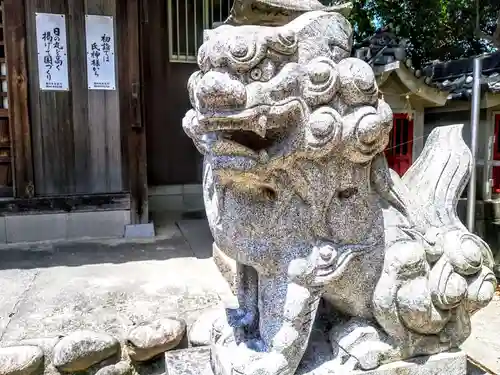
column 297, row 190
column 148, row 340
column 278, row 12
column 193, row 361
column 196, row 361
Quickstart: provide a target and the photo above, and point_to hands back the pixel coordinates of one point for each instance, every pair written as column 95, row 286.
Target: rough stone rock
column 83, row 349
column 20, row 360
column 47, row 344
column 148, row 340
column 121, row 368
column 199, row 333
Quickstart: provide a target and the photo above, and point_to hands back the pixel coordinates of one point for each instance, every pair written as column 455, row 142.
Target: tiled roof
column 454, row 77
column 383, row 48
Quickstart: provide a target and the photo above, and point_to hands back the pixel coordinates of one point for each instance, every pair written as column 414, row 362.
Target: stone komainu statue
column 297, row 190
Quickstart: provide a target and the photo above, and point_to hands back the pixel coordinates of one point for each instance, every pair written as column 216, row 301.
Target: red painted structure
column 496, row 157
column 399, row 150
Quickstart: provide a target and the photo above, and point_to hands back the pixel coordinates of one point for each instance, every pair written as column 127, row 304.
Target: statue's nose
column 219, row 91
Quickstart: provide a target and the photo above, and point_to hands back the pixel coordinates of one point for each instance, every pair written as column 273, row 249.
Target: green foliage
column 436, row 29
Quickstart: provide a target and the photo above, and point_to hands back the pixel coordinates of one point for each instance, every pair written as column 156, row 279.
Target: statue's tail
column 457, row 264
column 436, row 181
column 439, row 176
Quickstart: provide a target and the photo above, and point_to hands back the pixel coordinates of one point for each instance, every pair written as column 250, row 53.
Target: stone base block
column 196, row 361
column 140, row 231
column 226, row 266
column 444, row 363
column 454, row 363
column 63, row 226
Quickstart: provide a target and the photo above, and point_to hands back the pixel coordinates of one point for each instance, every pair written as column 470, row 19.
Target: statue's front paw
column 269, row 364
column 240, row 360
column 362, row 341
column 222, row 333
column 371, row 354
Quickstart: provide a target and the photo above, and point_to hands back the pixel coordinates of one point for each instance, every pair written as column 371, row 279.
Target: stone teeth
column 261, row 128
column 263, row 156
column 261, row 132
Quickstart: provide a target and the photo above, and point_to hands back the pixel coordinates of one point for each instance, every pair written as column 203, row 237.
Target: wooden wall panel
column 76, row 134
column 51, row 118
column 172, row 158
column 19, row 121
column 132, row 124
column 104, row 121
column 79, row 96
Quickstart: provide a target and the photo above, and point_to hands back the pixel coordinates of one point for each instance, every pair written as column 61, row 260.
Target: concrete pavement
column 104, row 286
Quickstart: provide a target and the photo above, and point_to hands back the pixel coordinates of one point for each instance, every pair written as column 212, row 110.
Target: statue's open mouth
column 249, row 132
column 249, row 139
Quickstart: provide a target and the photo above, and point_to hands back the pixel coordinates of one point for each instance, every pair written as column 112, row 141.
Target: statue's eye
column 256, row 74
column 346, row 193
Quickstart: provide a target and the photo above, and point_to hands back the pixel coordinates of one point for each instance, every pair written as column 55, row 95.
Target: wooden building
column 77, row 160
column 73, row 159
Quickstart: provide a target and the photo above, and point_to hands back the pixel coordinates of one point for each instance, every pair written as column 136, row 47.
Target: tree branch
column 493, row 39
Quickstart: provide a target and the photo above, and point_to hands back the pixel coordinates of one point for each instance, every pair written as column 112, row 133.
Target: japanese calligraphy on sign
column 52, row 51
column 100, row 53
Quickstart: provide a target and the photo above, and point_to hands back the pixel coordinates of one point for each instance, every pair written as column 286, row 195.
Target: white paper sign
column 52, row 51
column 100, row 52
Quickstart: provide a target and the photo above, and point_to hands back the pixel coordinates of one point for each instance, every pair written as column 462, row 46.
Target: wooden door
column 496, row 157
column 171, row 32
column 399, row 150
column 15, row 106
column 6, row 181
column 131, row 107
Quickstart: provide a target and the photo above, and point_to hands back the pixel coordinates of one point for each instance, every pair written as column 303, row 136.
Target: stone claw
column 241, row 360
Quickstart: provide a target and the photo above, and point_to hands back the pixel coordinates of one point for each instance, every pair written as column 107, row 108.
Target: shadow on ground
column 186, row 238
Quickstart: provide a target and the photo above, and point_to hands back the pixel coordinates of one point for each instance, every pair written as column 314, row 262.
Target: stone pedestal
column 196, row 361
column 439, row 364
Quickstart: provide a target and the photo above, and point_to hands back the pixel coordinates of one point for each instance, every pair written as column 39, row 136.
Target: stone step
column 196, row 361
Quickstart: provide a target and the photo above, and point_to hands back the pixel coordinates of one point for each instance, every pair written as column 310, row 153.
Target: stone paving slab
column 197, row 234
column 13, row 285
column 483, row 346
